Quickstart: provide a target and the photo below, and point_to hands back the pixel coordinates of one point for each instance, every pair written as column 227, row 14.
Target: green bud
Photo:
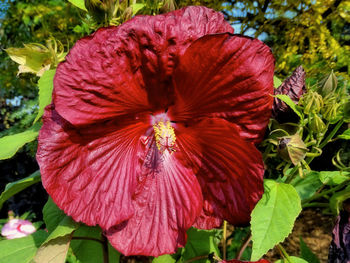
column 329, row 84
column 316, row 124
column 331, row 112
column 346, row 111
column 36, row 58
column 312, row 102
column 168, row 6
column 291, row 148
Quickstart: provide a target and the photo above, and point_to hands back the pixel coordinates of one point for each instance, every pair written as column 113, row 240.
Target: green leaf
column 13, row 188
column 33, row 58
column 54, row 251
column 78, row 3
column 345, row 135
column 164, row 259
column 65, row 227
column 55, row 247
column 293, row 260
column 91, row 251
column 10, row 144
column 334, row 177
column 290, row 103
column 306, row 253
column 336, row 201
column 276, row 82
column 21, row 250
column 307, row 186
column 273, row 217
column 52, row 215
column 45, row 85
column 201, row 243
column 137, row 7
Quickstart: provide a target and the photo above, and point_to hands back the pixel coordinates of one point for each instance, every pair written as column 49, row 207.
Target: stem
column 105, row 249
column 291, row 175
column 320, row 146
column 323, row 193
column 284, row 253
column 331, row 134
column 224, row 240
column 244, row 246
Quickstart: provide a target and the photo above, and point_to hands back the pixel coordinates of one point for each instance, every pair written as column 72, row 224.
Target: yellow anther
column 165, row 136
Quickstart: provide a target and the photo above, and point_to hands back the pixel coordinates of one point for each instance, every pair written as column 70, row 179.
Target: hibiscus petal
column 226, row 76
column 127, row 69
column 231, row 169
column 167, row 202
column 90, row 173
column 207, row 222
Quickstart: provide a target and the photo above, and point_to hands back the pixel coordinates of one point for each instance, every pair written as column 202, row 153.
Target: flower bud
column 346, row 111
column 312, row 102
column 293, row 87
column 17, row 228
column 168, row 6
column 329, row 84
column 291, row 148
column 316, row 124
column 330, row 112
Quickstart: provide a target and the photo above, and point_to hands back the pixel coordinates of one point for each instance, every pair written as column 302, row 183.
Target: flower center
column 165, row 136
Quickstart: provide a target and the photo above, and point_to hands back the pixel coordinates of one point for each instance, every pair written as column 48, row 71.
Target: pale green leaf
column 334, row 177
column 273, row 217
column 78, row 3
column 164, row 259
column 61, row 228
column 345, row 135
column 10, row 144
column 290, row 103
column 276, row 82
column 293, row 260
column 54, row 251
column 45, row 85
column 13, row 188
column 307, row 186
column 137, row 7
column 337, row 199
column 21, row 250
column 66, row 226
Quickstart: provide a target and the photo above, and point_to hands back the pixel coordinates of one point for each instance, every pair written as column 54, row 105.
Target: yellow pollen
column 165, row 136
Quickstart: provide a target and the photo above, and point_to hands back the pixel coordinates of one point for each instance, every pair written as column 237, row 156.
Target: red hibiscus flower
column 152, row 129
column 239, row 261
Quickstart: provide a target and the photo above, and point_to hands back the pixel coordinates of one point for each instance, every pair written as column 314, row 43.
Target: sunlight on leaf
column 13, row 188
column 21, row 249
column 290, row 103
column 78, row 3
column 10, row 144
column 45, row 84
column 273, row 217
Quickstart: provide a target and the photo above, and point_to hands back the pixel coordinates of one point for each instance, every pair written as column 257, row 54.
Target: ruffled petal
column 230, row 169
column 226, row 76
column 207, row 222
column 90, row 173
column 167, row 202
column 127, row 69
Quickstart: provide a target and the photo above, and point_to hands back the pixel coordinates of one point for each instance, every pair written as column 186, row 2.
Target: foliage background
column 312, row 33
